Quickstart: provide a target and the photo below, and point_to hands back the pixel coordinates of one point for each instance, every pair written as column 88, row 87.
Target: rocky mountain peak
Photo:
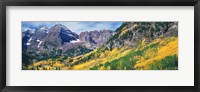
column 61, row 26
column 59, row 35
column 43, row 28
column 95, row 38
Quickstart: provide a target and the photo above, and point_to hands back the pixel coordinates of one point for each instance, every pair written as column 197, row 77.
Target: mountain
column 132, row 33
column 37, row 36
column 58, row 35
column 25, row 38
column 95, row 38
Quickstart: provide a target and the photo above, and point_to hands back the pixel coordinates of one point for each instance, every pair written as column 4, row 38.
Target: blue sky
column 74, row 26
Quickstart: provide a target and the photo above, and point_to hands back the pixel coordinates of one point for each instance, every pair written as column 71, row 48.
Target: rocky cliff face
column 26, row 38
column 37, row 37
column 44, row 39
column 132, row 33
column 95, row 38
column 57, row 36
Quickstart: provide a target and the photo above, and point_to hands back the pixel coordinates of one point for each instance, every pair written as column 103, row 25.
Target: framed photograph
column 87, row 45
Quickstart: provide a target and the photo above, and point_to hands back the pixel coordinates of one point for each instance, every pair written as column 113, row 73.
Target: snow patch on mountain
column 43, row 28
column 28, row 43
column 39, row 44
column 30, row 39
column 75, row 41
column 38, row 40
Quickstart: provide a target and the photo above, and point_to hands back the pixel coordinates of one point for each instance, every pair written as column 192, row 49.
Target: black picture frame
column 4, row 3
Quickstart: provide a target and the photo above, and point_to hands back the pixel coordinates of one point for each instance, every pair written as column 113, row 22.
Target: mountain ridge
column 59, row 39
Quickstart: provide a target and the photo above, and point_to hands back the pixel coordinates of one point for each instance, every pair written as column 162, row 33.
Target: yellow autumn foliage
column 107, row 56
column 86, row 65
column 167, row 47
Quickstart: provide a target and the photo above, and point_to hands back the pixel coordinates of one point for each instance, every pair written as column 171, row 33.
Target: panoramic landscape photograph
column 104, row 45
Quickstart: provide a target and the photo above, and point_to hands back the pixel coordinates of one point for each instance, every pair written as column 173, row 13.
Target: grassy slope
column 158, row 55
